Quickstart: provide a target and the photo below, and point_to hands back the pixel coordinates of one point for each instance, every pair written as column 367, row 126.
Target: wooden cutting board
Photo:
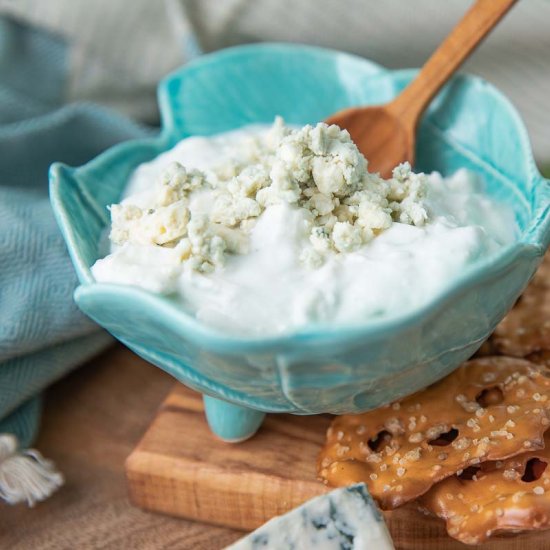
column 179, row 468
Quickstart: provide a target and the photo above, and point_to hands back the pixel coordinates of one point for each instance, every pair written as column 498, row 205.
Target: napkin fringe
column 25, row 475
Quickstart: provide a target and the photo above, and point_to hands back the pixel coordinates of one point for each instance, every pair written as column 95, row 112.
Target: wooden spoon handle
column 459, row 44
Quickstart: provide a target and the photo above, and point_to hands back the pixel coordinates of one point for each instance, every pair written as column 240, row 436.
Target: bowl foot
column 229, row 422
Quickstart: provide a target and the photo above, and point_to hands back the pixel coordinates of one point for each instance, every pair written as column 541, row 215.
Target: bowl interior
column 470, row 124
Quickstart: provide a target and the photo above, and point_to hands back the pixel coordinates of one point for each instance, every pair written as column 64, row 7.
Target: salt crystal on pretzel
column 526, row 329
column 490, row 408
column 509, row 495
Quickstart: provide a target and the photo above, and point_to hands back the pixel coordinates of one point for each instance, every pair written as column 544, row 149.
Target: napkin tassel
column 25, row 475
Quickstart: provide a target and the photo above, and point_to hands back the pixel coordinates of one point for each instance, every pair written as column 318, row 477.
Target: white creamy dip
column 281, row 230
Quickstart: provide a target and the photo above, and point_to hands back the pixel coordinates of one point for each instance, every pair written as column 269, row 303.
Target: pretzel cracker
column 526, row 329
column 490, row 408
column 509, row 495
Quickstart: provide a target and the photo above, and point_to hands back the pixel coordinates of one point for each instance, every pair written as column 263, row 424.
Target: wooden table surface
column 92, row 420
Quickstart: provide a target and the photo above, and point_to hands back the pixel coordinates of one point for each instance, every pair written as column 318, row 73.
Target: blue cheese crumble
column 315, row 168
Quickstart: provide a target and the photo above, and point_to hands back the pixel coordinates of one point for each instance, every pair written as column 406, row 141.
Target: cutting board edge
column 150, row 475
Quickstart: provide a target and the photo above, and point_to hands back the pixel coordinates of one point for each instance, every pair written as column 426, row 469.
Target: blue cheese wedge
column 345, row 519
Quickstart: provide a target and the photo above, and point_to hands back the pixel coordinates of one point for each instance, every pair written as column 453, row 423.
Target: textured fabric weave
column 42, row 334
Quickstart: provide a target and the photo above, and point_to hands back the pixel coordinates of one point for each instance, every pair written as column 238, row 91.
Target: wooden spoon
column 386, row 134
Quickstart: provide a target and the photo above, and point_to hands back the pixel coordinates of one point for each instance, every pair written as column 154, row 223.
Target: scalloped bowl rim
column 190, row 327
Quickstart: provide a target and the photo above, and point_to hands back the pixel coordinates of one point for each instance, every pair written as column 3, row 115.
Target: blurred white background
column 119, row 49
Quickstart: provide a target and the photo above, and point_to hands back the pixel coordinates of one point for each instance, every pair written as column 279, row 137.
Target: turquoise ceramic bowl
column 324, row 369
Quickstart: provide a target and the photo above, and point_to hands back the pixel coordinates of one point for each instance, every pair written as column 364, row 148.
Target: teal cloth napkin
column 42, row 333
